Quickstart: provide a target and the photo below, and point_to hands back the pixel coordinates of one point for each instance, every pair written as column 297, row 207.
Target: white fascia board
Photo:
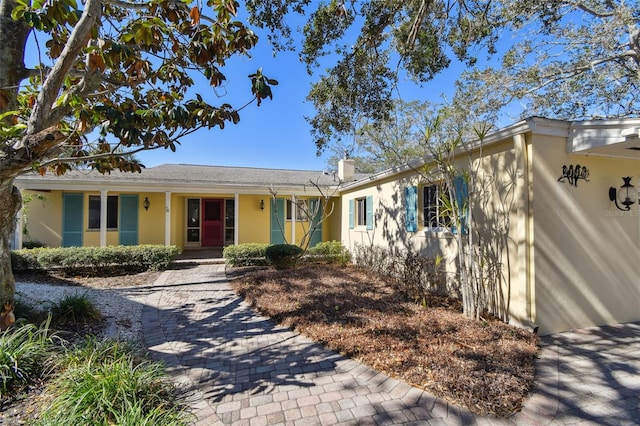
column 539, row 125
column 90, row 186
column 588, row 135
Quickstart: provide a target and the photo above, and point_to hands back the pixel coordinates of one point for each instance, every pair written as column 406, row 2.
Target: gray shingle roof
column 185, row 174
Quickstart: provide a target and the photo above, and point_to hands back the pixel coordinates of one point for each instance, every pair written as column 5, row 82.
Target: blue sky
column 273, row 135
column 276, row 134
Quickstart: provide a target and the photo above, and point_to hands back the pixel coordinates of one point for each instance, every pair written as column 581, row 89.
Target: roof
column 610, row 138
column 184, row 178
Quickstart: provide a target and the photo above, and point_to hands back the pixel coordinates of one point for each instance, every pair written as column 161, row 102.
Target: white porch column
column 103, row 217
column 294, row 218
column 236, row 218
column 167, row 218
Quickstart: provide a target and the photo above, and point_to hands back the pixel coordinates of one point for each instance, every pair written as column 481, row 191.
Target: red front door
column 212, row 223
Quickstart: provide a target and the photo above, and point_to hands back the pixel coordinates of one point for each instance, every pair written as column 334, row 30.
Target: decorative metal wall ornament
column 573, row 174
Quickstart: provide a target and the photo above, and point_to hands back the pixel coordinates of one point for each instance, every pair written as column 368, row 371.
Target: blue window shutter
column 411, row 200
column 462, row 198
column 72, row 219
column 352, row 203
column 370, row 212
column 277, row 221
column 128, row 220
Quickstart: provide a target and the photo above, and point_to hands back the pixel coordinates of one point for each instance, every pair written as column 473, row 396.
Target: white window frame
column 432, row 208
column 361, row 212
column 110, row 199
column 301, row 211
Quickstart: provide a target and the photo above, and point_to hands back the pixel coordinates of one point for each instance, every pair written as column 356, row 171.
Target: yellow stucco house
column 554, row 205
column 184, row 205
column 551, row 205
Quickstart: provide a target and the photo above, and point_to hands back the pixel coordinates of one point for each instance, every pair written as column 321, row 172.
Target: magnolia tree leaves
column 124, row 70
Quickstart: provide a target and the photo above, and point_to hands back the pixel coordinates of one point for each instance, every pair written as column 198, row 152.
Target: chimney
column 346, row 169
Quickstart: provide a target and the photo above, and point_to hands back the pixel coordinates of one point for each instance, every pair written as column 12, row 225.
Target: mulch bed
column 486, row 366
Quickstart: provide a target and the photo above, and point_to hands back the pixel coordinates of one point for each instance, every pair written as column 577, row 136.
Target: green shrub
column 108, row 383
column 75, row 308
column 283, row 256
column 32, row 244
column 24, row 356
column 412, row 272
column 248, row 254
column 329, row 252
column 96, row 260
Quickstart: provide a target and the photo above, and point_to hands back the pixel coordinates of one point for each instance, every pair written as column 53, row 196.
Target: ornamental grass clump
column 76, row 308
column 25, row 352
column 110, row 382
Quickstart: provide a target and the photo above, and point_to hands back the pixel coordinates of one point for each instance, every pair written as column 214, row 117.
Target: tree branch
column 51, row 86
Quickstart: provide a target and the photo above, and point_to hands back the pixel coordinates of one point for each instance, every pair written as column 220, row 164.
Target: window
column 193, row 220
column 434, row 211
column 301, row 211
column 94, row 212
column 361, row 212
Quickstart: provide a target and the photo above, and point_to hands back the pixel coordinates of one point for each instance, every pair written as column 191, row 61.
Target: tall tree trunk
column 13, row 36
column 10, row 203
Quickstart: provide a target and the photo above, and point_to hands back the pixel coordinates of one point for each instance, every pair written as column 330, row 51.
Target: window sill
column 438, row 232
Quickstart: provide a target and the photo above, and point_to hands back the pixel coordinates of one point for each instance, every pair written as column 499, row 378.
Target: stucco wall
column 151, row 222
column 586, row 250
column 389, row 225
column 253, row 222
column 44, row 217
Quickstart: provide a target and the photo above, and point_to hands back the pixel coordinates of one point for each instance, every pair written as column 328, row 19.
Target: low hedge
column 96, row 260
column 328, row 252
column 247, row 254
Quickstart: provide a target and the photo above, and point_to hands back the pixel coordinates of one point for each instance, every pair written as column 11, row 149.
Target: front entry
column 212, row 223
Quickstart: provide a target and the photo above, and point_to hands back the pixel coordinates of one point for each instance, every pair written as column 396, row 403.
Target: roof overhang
column 610, row 138
column 538, row 125
column 35, row 184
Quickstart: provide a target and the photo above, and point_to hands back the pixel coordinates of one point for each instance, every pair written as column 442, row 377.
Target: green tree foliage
column 568, row 60
column 122, row 70
column 558, row 58
column 368, row 46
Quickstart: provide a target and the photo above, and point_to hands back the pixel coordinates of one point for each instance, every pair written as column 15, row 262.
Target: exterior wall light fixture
column 624, row 191
column 261, row 204
column 146, row 203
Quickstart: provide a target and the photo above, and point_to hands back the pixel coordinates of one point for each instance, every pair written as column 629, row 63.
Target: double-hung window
column 95, row 212
column 361, row 211
column 435, row 213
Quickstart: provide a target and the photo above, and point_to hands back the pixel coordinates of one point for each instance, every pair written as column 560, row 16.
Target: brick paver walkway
column 240, row 368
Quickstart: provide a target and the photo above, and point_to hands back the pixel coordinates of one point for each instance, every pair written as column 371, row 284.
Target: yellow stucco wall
column 331, row 227
column 253, row 223
column 496, row 218
column 389, row 227
column 586, row 250
column 44, row 217
column 151, row 222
